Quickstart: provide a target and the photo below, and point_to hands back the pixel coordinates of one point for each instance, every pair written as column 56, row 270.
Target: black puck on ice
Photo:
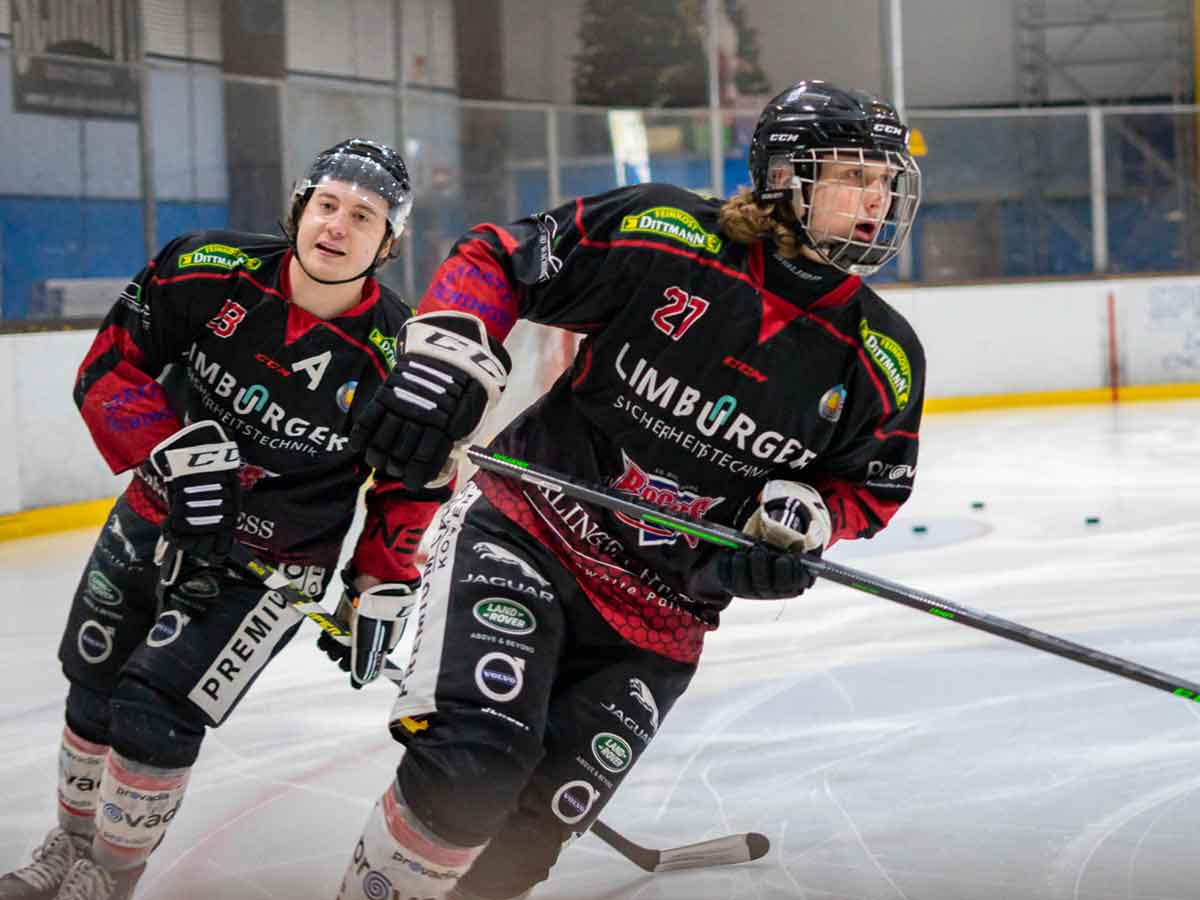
column 1092, row 520
column 919, row 529
column 976, row 504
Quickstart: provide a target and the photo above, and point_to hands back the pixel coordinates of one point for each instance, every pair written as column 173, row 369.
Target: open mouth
column 865, row 231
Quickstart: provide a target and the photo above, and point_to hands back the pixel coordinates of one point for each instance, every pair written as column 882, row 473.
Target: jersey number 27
column 674, row 318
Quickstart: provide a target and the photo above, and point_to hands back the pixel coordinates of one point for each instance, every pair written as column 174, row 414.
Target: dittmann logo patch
column 891, row 358
column 669, row 222
column 219, row 256
column 386, row 345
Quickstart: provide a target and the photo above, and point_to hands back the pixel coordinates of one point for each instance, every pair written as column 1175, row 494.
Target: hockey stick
column 308, row 606
column 723, row 851
column 724, row 536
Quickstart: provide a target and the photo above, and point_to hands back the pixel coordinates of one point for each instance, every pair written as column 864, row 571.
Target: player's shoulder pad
column 891, row 345
column 668, row 215
column 219, row 251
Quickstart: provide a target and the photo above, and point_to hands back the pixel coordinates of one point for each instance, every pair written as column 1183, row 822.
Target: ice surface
column 887, row 754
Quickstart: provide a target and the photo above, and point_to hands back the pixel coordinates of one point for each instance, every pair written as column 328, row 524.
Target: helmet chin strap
column 369, row 270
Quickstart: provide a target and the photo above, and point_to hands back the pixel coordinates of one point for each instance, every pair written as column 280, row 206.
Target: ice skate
column 88, row 881
column 41, row 879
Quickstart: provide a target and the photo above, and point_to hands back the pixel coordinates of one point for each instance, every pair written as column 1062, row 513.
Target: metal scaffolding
column 1101, row 53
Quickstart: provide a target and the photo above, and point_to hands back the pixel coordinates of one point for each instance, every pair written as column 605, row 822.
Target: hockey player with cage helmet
column 733, row 366
column 228, row 376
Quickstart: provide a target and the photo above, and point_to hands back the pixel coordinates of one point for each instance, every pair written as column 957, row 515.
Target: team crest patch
column 219, row 256
column 669, row 222
column 832, row 401
column 891, row 359
column 664, row 492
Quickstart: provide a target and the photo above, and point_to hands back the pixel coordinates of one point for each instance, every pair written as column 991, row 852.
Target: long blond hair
column 747, row 221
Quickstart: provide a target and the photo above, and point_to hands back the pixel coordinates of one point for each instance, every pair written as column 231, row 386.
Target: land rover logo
column 102, row 590
column 507, row 616
column 612, row 752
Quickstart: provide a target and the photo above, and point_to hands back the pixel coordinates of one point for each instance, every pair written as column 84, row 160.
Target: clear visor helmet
column 368, row 180
column 856, row 207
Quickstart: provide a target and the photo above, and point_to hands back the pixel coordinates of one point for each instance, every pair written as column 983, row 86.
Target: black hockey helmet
column 814, row 122
column 367, row 164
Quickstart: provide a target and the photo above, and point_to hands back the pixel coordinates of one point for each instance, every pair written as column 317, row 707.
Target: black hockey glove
column 449, row 372
column 200, row 467
column 375, row 619
column 763, row 573
column 790, row 518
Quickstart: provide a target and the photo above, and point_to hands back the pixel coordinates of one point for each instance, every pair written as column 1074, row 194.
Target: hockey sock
column 137, row 803
column 80, row 765
column 398, row 857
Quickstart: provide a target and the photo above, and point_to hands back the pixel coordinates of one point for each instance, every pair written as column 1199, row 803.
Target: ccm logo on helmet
column 783, row 137
column 888, row 129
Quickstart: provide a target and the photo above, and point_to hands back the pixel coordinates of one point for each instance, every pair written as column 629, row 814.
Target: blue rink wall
column 59, row 237
column 56, row 237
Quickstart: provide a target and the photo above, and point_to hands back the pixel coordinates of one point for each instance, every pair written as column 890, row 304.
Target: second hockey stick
column 730, row 538
column 307, row 606
column 723, row 851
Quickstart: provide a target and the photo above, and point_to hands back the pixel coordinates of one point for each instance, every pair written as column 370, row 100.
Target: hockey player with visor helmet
column 836, row 164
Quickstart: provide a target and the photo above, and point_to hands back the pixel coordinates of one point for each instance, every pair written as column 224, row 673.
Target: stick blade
column 725, row 851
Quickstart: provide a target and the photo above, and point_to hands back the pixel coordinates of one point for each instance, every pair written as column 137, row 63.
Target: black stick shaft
column 642, row 857
column 844, row 575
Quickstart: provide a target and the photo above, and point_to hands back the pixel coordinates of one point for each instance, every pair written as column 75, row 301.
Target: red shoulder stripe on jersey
column 507, row 241
column 112, row 337
column 383, row 373
column 912, row 435
column 854, row 343
column 777, row 311
column 472, row 280
column 213, row 276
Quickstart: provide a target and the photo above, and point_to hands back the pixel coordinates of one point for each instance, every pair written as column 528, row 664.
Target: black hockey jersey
column 283, row 383
column 708, row 368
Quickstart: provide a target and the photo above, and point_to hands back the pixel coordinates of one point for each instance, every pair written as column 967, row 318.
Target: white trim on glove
column 777, row 527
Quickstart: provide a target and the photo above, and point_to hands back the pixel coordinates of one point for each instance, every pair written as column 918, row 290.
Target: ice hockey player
column 272, row 348
column 734, row 366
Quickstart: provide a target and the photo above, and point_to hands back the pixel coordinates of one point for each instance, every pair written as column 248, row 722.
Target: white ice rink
column 887, row 754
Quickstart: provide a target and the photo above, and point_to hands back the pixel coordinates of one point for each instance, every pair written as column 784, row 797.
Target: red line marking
column 1114, row 369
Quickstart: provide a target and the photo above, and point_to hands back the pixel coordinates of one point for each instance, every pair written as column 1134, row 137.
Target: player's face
column 340, row 230
column 850, row 200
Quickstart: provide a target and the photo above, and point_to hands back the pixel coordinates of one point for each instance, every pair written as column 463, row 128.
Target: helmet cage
column 365, row 175
column 846, row 248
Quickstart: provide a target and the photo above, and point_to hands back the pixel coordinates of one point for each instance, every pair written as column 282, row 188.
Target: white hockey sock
column 80, row 765
column 398, row 857
column 137, row 803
